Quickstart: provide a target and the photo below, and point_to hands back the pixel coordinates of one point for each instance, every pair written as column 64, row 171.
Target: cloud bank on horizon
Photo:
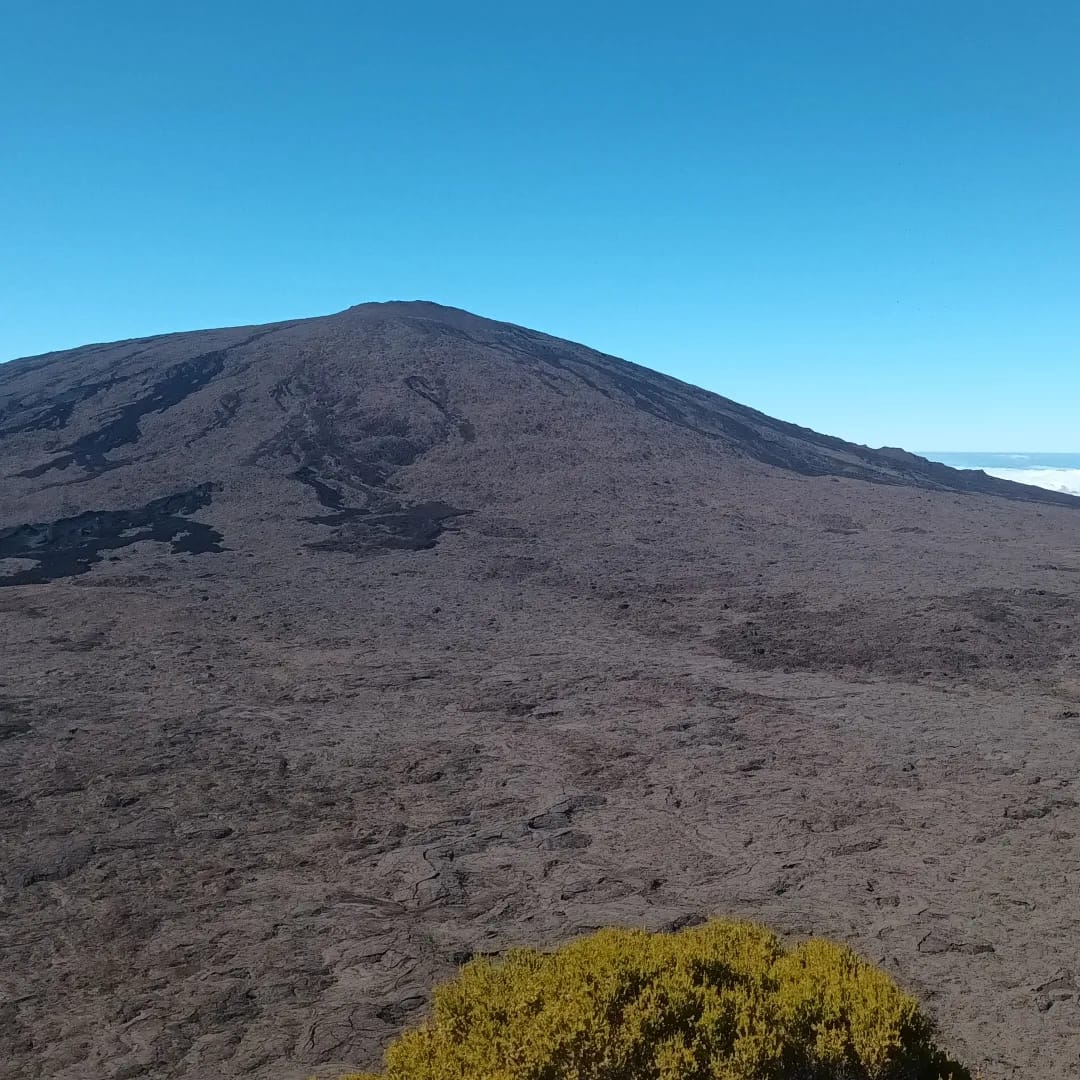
column 1055, row 472
column 1066, row 480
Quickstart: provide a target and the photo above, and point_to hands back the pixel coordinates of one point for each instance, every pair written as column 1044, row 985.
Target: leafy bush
column 722, row 1001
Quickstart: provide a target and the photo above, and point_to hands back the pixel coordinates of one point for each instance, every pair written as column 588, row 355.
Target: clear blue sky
column 863, row 217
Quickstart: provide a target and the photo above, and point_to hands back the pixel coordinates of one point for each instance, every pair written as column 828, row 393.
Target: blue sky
column 860, row 217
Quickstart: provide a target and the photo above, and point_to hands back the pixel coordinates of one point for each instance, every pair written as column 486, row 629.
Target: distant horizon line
column 1005, row 453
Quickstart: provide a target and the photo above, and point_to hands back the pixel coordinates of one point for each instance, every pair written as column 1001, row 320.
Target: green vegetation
column 722, row 1001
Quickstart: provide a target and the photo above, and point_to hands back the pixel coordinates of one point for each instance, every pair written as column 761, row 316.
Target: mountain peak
column 414, row 309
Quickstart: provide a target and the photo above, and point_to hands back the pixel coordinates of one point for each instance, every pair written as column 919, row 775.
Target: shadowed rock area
column 70, row 546
column 340, row 650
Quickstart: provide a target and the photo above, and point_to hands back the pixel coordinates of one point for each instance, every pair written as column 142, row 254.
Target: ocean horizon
column 1056, row 472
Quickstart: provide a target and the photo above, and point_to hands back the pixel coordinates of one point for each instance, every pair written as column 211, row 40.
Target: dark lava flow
column 57, row 412
column 180, row 382
column 389, row 525
column 70, row 546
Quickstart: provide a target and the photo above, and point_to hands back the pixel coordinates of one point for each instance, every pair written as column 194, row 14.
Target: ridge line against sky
column 861, row 221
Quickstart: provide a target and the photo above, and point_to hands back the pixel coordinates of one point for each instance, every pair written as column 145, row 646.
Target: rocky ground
column 276, row 757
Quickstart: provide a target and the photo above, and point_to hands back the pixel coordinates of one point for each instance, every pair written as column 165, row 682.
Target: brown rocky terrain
column 338, row 651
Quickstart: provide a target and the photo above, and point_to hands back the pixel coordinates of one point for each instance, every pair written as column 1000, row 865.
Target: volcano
column 339, row 650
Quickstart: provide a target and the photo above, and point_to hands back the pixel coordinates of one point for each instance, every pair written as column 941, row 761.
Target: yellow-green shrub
column 722, row 1001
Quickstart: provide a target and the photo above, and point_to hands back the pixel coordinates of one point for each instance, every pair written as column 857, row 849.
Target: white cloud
column 1067, row 480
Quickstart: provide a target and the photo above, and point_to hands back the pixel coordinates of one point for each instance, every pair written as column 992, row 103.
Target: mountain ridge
column 772, row 441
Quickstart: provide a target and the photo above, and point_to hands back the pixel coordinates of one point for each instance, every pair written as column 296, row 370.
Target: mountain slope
column 342, row 405
column 338, row 650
